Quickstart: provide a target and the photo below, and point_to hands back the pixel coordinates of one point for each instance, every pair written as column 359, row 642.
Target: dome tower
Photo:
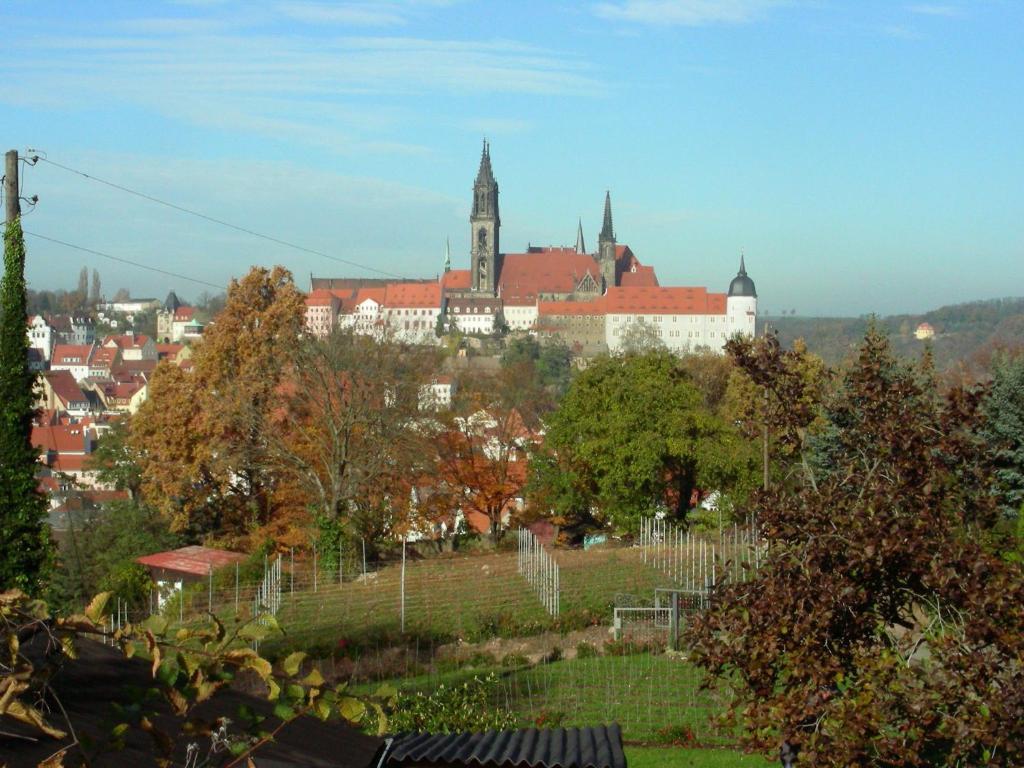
column 741, row 303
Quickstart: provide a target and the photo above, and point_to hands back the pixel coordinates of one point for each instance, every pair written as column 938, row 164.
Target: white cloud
column 349, row 14
column 686, row 12
column 250, row 77
column 931, row 9
column 900, row 32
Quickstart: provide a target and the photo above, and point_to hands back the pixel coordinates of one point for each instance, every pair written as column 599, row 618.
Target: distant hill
column 962, row 331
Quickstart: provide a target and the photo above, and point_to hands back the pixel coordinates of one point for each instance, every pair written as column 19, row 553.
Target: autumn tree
column 25, row 540
column 633, row 436
column 346, row 434
column 775, row 395
column 882, row 628
column 482, row 450
column 202, row 435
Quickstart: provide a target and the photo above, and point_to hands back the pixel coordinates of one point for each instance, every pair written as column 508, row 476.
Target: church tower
column 606, row 245
column 484, row 223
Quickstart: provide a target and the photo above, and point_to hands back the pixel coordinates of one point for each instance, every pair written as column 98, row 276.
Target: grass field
column 669, row 757
column 653, row 697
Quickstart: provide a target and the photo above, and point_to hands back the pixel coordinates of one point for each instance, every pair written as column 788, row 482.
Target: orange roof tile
column 457, row 280
column 642, row 277
column 376, row 294
column 126, row 341
column 60, row 439
column 663, row 301
column 71, row 354
column 413, row 295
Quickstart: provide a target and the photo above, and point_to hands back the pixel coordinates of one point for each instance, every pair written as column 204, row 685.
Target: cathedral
column 587, row 300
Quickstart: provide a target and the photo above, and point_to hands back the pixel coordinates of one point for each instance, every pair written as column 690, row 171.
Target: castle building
column 588, row 300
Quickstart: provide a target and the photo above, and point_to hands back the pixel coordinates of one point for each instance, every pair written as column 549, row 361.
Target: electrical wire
column 214, row 220
column 125, row 261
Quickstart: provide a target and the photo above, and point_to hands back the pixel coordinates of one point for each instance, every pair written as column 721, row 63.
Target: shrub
column 467, row 707
column 587, row 651
column 512, row 660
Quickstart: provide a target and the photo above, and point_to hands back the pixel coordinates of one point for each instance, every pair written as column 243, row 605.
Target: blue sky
column 866, row 156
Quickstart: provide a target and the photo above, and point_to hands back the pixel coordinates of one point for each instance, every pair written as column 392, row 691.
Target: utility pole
column 11, row 185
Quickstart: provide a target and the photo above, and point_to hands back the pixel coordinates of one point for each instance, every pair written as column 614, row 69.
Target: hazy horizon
column 866, row 157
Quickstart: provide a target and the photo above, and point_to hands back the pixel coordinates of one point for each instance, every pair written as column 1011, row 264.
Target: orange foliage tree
column 348, row 433
column 201, row 436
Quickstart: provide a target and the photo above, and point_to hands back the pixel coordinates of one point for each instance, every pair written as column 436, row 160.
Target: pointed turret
column 581, row 247
column 742, row 285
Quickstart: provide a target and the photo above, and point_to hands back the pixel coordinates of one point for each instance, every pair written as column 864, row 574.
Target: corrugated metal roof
column 597, row 747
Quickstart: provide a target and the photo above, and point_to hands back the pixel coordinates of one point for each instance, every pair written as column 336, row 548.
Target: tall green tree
column 24, row 539
column 633, row 435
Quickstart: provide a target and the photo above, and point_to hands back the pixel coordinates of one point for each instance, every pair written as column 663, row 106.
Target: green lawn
column 669, row 757
column 653, row 697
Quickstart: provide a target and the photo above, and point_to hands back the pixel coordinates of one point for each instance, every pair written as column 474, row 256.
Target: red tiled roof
column 60, row 438
column 663, row 301
column 65, row 387
column 457, row 280
column 68, row 462
column 595, row 307
column 322, row 298
column 105, row 356
column 184, row 314
column 643, row 277
column 126, row 341
column 413, row 295
column 377, row 294
column 71, row 354
column 194, row 560
column 545, row 271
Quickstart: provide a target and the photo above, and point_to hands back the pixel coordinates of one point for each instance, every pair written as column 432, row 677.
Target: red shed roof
column 194, row 560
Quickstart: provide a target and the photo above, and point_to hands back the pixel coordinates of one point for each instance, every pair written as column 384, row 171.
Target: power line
column 214, row 220
column 125, row 261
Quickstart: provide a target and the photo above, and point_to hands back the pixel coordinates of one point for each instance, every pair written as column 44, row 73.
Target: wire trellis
column 539, row 568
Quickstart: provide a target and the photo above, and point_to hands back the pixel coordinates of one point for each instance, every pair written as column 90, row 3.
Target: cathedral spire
column 607, row 233
column 743, row 267
column 485, row 175
column 447, row 255
column 580, row 245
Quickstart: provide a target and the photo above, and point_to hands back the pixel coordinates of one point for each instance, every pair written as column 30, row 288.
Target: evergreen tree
column 25, row 540
column 94, row 290
column 1004, row 431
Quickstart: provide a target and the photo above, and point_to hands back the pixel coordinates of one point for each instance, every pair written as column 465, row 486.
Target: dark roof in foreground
column 597, row 747
column 91, row 686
